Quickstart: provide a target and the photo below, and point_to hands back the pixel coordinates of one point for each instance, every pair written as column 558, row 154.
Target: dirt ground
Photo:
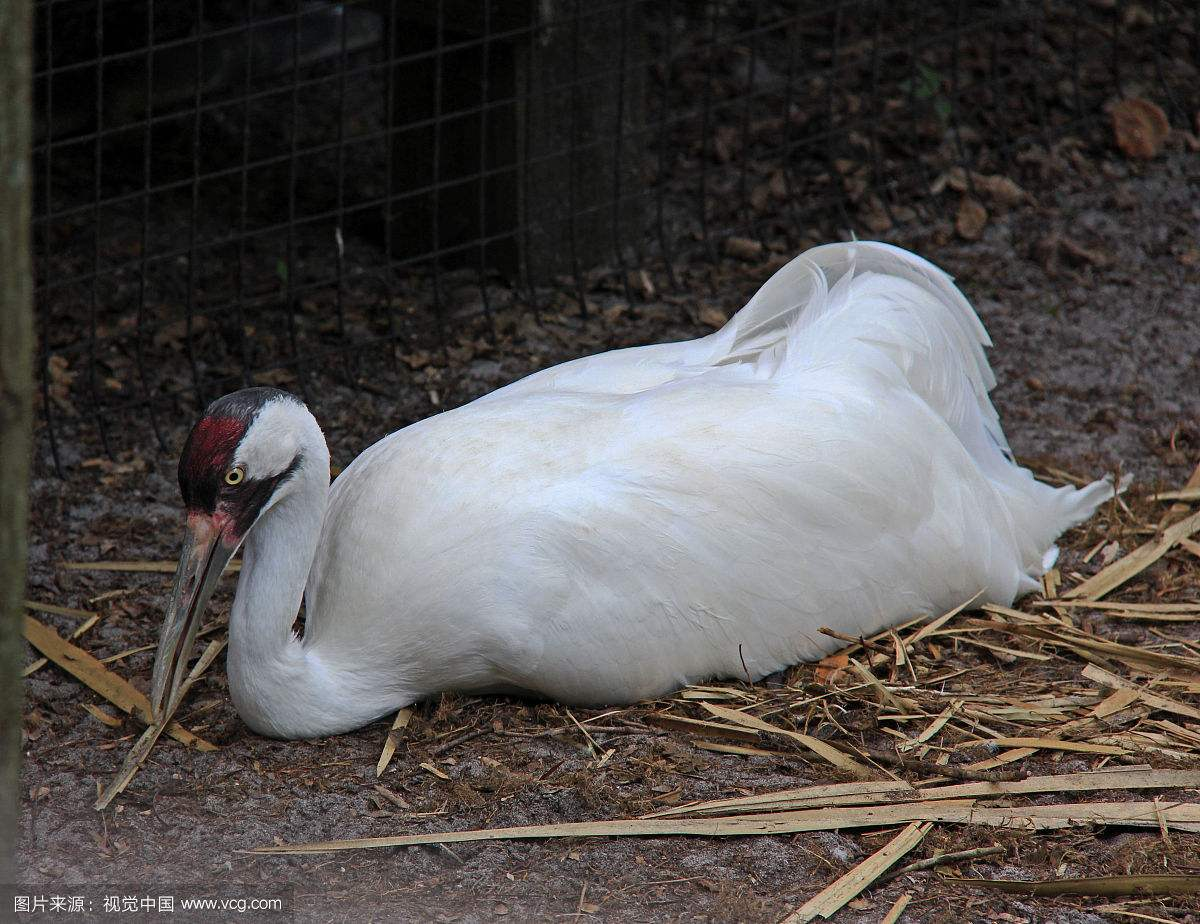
column 1091, row 292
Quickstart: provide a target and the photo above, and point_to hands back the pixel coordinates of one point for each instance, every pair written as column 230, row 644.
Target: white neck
column 280, row 686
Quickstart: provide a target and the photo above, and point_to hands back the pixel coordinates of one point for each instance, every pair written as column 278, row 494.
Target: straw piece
column 1084, row 644
column 1137, row 561
column 1153, row 700
column 724, row 692
column 1118, row 701
column 774, row 823
column 1106, row 886
column 1008, row 757
column 90, row 618
column 57, row 610
column 1184, row 494
column 702, row 695
column 934, row 727
column 141, row 749
column 892, row 791
column 862, row 793
column 139, row 567
column 1183, row 816
column 1046, row 619
column 1155, row 616
column 901, row 704
column 1177, row 816
column 931, row 627
column 1055, row 744
column 877, row 655
column 877, row 637
column 941, row 859
column 121, row 655
column 699, row 726
column 1189, row 735
column 394, row 798
column 1116, row 908
column 743, row 749
column 1193, row 483
column 100, row 715
column 403, row 716
column 897, row 909
column 133, row 762
column 830, row 900
column 900, row 653
column 817, row 746
column 1193, row 608
column 117, row 690
column 1086, row 781
column 1010, row 652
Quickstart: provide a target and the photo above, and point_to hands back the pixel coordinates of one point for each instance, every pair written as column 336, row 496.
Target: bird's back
column 617, row 527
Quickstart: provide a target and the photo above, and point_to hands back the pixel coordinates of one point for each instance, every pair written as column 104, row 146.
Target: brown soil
column 1091, row 292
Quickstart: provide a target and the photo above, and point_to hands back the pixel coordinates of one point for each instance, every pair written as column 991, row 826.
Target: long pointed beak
column 206, row 551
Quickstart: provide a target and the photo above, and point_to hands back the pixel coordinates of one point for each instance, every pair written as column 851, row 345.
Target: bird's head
column 240, row 459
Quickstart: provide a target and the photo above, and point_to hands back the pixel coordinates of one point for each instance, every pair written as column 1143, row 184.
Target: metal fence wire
column 241, row 191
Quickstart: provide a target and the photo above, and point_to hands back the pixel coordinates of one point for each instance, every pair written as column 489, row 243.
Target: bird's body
column 616, row 527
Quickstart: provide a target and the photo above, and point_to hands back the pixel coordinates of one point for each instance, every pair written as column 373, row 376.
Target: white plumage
column 618, row 526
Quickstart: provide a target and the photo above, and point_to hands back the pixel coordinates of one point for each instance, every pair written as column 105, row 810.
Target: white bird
column 619, row 526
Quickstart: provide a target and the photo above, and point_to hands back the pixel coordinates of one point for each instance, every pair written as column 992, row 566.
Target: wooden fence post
column 16, row 394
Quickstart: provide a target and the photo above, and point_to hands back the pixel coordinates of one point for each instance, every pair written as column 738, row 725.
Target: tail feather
column 873, row 303
column 868, row 294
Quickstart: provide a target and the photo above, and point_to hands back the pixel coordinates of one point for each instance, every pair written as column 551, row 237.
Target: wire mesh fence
column 294, row 193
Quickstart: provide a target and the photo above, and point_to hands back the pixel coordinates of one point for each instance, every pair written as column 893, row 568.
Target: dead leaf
column 640, row 280
column 1140, row 128
column 971, row 219
column 743, row 248
column 276, row 377
column 831, row 667
column 416, row 360
column 760, row 198
column 726, row 143
column 875, row 217
column 61, row 379
column 712, row 316
column 1080, row 254
column 174, row 334
column 1000, row 189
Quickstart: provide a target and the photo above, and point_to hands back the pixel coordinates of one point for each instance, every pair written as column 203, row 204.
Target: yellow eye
column 235, row 475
